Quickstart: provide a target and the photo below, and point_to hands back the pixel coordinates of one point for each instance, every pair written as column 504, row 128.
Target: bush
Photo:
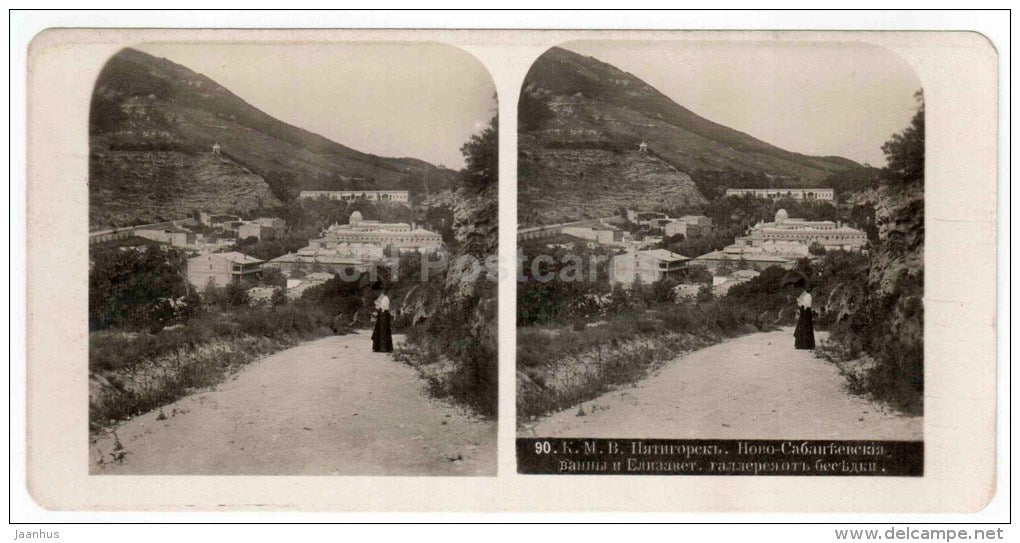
column 136, row 289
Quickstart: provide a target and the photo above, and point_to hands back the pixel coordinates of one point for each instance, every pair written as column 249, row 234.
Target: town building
column 721, row 284
column 178, row 237
column 697, row 220
column 222, row 268
column 551, row 230
column 795, row 194
column 362, row 251
column 718, row 262
column 254, row 230
column 262, row 228
column 330, row 263
column 354, row 195
column 357, row 246
column 400, row 237
column 218, row 220
column 648, row 265
column 124, row 232
column 601, row 236
column 644, row 218
column 782, row 242
column 687, row 226
column 829, row 234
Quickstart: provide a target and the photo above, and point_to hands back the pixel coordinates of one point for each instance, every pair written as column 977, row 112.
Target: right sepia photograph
column 720, row 260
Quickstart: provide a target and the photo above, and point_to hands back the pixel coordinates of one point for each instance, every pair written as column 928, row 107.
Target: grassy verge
column 132, row 373
column 558, row 367
column 866, row 376
column 457, row 360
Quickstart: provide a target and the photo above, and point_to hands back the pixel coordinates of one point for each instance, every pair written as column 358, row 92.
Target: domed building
column 359, row 242
column 782, row 242
column 400, row 236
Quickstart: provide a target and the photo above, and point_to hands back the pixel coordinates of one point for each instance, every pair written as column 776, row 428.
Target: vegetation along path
column 752, row 387
column 329, row 406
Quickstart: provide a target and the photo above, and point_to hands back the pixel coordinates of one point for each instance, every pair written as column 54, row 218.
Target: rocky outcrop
column 135, row 187
column 559, row 185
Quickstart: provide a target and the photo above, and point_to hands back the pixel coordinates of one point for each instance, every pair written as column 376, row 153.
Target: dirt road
column 329, row 406
column 753, row 387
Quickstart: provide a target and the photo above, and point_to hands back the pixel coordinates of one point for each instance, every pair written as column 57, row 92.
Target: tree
column 272, row 277
column 662, row 290
column 904, row 152
column 211, row 293
column 279, row 297
column 883, row 312
column 481, row 157
column 236, row 293
column 135, row 288
column 698, row 274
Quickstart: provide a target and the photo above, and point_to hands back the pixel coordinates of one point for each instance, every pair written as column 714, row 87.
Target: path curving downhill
column 325, row 407
column 752, row 387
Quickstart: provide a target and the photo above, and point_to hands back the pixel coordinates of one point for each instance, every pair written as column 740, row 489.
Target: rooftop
column 233, row 256
column 663, row 254
column 320, row 258
column 757, row 257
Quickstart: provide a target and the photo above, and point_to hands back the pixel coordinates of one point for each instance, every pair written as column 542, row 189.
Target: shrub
column 135, row 289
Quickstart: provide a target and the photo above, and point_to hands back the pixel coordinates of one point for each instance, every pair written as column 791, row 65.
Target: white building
column 402, row 237
column 687, row 226
column 737, row 259
column 177, row 237
column 333, row 263
column 262, row 228
column 831, row 235
column 222, row 268
column 362, row 251
column 602, row 236
column 795, row 194
column 649, row 265
column 218, row 220
column 353, row 195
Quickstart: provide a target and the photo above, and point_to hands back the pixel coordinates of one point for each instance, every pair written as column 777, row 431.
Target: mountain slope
column 147, row 187
column 576, row 102
column 559, row 185
column 143, row 104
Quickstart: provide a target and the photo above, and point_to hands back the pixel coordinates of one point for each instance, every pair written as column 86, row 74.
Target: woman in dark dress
column 804, row 334
column 382, row 337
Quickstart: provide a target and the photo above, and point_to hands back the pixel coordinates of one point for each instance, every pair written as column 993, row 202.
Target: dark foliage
column 481, row 157
column 136, row 288
column 532, row 111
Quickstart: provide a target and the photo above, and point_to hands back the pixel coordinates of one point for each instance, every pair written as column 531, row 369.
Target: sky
column 818, row 98
column 421, row 100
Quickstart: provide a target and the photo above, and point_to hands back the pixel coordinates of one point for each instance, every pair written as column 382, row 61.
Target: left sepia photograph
column 288, row 249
